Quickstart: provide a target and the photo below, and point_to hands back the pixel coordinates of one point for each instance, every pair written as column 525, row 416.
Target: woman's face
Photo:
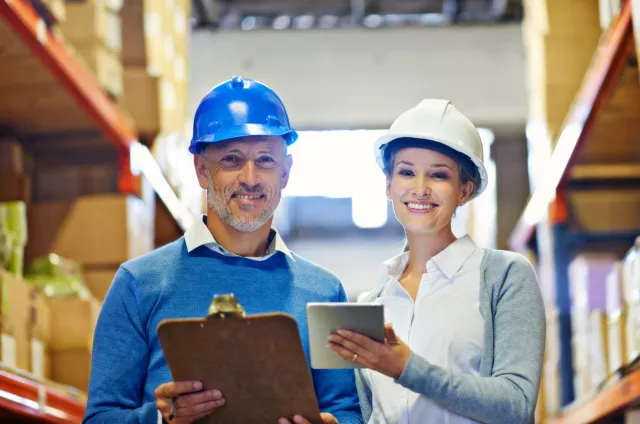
column 425, row 189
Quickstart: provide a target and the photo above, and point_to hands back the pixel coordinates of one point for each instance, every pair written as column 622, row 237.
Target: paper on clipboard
column 256, row 361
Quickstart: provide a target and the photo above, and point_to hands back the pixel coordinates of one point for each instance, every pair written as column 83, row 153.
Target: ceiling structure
column 303, row 14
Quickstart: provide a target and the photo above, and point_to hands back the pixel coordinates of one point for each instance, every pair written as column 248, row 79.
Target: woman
column 466, row 331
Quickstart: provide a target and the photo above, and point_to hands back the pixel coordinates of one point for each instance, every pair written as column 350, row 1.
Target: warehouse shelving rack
column 22, row 396
column 56, row 59
column 548, row 207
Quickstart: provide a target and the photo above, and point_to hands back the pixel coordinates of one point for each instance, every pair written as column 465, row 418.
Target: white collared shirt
column 199, row 235
column 444, row 325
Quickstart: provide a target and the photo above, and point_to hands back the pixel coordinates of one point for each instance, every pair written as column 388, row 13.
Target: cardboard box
column 551, row 373
column 39, row 334
column 54, row 183
column 632, row 332
column 99, row 281
column 556, row 65
column 597, row 339
column 617, row 342
column 631, row 274
column 72, row 367
column 100, row 230
column 91, row 23
column 582, row 383
column 73, row 321
column 14, row 340
column 602, row 210
column 142, row 28
column 563, row 17
column 151, row 101
column 105, row 66
column 587, row 276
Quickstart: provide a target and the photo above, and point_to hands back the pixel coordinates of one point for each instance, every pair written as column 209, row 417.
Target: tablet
column 326, row 318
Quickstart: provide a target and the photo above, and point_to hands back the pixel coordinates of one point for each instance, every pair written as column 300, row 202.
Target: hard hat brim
column 384, row 140
column 241, row 131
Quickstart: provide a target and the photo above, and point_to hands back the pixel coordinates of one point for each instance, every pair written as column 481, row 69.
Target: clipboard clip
column 225, row 305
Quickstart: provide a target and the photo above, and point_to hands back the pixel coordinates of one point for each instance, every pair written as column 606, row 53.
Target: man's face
column 244, row 179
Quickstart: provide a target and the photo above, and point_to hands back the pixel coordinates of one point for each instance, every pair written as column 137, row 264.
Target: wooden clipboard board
column 256, row 361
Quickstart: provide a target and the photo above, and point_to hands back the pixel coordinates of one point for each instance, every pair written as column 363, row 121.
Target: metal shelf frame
column 135, row 158
column 548, row 204
column 39, row 401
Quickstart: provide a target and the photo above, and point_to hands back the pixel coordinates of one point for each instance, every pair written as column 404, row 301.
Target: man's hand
column 327, row 418
column 191, row 403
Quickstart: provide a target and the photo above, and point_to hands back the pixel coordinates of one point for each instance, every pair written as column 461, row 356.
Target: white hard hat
column 438, row 121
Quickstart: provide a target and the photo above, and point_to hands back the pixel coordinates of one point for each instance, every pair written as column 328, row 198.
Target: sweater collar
column 199, row 235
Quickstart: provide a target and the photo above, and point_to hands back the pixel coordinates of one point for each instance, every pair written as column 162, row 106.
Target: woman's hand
column 388, row 358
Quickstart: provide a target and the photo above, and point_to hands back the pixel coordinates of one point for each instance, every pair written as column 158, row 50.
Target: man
column 240, row 139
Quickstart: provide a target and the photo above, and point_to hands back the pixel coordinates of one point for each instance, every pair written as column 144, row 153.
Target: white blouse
column 444, row 326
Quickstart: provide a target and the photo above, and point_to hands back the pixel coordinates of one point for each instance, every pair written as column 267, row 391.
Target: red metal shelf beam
column 622, row 395
column 596, row 89
column 33, row 400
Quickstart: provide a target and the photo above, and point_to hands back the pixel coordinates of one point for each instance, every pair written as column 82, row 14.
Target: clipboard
column 256, row 361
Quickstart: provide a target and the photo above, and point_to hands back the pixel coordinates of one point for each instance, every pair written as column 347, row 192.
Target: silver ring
column 172, row 412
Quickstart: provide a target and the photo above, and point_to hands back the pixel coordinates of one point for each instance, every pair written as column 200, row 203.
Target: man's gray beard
column 217, row 201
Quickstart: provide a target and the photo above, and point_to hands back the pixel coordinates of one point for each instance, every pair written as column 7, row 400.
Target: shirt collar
column 199, row 235
column 449, row 261
column 453, row 257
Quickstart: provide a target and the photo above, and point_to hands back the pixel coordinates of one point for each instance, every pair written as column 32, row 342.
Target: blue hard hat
column 240, row 107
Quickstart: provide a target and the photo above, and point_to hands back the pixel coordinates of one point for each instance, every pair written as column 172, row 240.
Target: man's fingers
column 163, row 405
column 193, row 413
column 186, row 401
column 173, row 389
column 284, row 421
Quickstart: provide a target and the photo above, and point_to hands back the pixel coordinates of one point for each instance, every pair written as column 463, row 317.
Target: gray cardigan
column 507, row 389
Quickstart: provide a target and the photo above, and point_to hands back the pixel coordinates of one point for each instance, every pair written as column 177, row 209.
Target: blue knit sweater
column 128, row 363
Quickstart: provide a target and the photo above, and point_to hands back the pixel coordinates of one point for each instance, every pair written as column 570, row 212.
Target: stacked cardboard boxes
column 25, row 329
column 630, row 273
column 560, row 38
column 71, row 167
column 93, row 28
column 605, row 317
column 155, row 65
column 587, row 275
column 73, row 321
column 100, row 232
